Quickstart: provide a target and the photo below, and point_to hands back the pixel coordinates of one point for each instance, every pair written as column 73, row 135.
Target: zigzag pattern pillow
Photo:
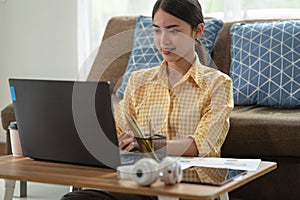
column 265, row 66
column 146, row 55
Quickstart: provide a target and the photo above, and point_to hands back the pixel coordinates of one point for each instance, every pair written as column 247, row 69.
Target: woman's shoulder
column 146, row 71
column 212, row 77
column 210, row 73
column 143, row 76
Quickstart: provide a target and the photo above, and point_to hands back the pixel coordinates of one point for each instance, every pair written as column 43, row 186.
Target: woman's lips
column 167, row 50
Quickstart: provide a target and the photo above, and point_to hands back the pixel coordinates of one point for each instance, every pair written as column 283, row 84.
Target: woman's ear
column 198, row 31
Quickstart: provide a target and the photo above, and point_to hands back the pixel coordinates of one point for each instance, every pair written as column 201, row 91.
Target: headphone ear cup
column 124, row 172
column 145, row 171
column 171, row 170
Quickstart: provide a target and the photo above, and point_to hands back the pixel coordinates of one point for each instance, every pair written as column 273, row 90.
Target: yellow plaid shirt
column 197, row 106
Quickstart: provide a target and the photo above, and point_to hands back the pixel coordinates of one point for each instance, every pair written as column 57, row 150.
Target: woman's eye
column 156, row 30
column 173, row 32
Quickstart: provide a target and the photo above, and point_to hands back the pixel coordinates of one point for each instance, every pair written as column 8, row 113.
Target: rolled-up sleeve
column 214, row 124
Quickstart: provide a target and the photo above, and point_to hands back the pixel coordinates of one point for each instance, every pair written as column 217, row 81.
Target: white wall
column 38, row 39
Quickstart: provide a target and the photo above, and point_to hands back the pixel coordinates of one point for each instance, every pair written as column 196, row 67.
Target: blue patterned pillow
column 146, row 55
column 265, row 66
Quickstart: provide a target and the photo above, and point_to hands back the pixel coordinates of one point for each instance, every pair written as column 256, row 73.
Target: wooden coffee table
column 26, row 169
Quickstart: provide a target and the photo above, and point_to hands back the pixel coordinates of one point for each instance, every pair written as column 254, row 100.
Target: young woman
column 182, row 99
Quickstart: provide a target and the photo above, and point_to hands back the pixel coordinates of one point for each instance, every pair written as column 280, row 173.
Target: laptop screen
column 66, row 121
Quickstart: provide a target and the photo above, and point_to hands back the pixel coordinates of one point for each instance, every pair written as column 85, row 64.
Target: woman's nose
column 165, row 39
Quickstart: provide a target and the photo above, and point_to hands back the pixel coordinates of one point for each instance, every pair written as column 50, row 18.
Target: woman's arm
column 182, row 147
column 213, row 127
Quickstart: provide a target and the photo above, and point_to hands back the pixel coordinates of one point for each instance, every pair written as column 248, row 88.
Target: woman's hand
column 126, row 140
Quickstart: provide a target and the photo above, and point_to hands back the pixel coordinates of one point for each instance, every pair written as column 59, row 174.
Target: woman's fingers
column 126, row 141
column 129, row 147
column 125, row 135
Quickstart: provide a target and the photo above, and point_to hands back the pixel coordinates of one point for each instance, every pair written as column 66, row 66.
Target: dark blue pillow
column 265, row 66
column 145, row 54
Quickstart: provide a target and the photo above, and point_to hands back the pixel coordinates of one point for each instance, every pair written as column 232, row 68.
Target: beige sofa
column 256, row 132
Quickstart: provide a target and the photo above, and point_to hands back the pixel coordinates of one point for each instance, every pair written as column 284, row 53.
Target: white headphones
column 146, row 171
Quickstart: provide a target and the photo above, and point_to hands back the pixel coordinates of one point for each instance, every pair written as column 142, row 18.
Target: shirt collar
column 195, row 73
column 162, row 76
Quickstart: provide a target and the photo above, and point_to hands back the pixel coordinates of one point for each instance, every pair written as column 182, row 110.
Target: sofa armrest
column 114, row 52
column 7, row 116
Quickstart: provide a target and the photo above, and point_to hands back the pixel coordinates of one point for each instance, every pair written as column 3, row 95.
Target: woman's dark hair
column 189, row 11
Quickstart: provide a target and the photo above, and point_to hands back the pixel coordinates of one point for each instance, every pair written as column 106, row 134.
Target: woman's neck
column 173, row 76
column 183, row 64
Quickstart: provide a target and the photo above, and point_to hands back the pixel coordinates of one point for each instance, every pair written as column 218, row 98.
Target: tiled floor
column 37, row 191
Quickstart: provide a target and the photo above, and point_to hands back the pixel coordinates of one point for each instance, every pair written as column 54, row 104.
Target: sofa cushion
column 211, row 33
column 265, row 64
column 145, row 53
column 263, row 131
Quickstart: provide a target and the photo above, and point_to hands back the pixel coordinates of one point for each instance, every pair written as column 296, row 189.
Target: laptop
column 66, row 121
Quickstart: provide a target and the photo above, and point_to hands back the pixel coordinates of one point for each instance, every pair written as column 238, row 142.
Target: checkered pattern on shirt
column 197, row 106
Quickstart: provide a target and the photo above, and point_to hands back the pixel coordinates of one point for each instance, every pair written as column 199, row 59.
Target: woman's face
column 173, row 37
